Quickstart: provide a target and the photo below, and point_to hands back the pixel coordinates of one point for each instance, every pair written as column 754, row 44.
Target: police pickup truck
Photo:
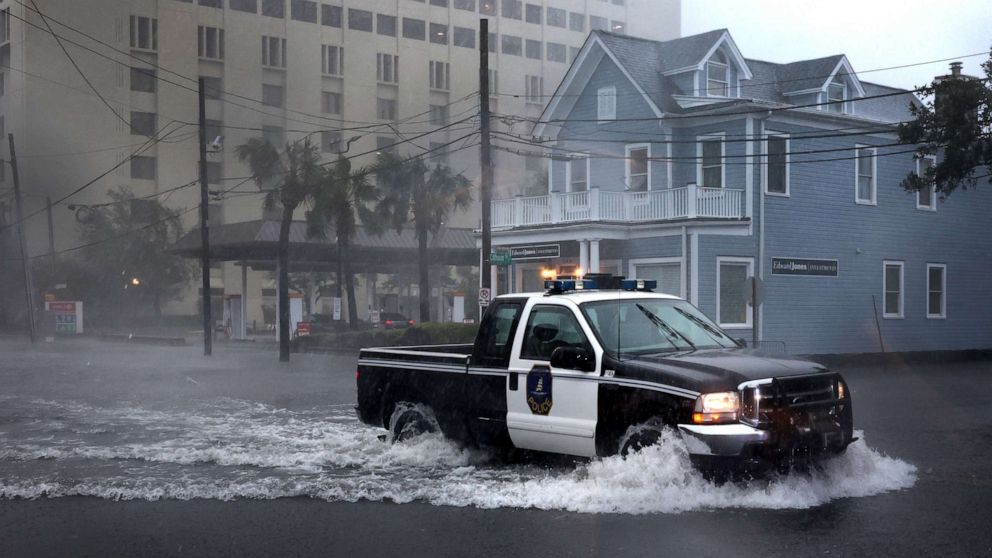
column 584, row 371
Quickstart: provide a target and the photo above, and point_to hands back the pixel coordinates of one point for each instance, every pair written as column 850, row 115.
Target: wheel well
column 393, row 394
column 622, row 408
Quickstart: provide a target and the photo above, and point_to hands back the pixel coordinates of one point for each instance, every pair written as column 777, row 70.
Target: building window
column 578, row 174
column 711, row 162
column 143, row 123
column 597, row 23
column 330, row 102
column 557, row 52
column 143, row 167
column 864, row 159
column 467, row 5
column 274, row 135
column 513, row 9
column 141, row 80
column 439, row 33
column 533, row 49
column 439, row 3
column 892, row 290
column 414, row 29
column 464, row 37
column 210, row 42
column 777, row 163
column 666, row 271
column 926, row 197
column 215, row 172
column 534, row 89
column 576, row 22
column 4, row 25
column 493, row 82
column 144, row 33
column 936, row 291
column 512, row 45
column 487, row 7
column 439, row 115
column 556, row 17
column 438, row 75
column 385, row 109
column 250, row 6
column 638, row 169
column 492, row 42
column 385, row 25
column 360, row 20
column 618, row 27
column 534, row 13
column 332, row 60
column 274, row 8
column 330, row 15
column 438, row 152
column 717, row 80
column 273, row 52
column 330, row 142
column 606, row 103
column 303, row 10
column 385, row 144
column 212, row 87
column 733, row 296
column 572, row 53
column 387, row 68
column 272, row 95
column 214, row 129
column 836, row 94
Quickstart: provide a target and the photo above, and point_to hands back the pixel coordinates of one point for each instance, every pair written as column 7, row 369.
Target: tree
column 412, row 191
column 956, row 124
column 290, row 180
column 342, row 200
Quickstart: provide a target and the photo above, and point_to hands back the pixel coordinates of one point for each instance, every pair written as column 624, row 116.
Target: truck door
column 551, row 409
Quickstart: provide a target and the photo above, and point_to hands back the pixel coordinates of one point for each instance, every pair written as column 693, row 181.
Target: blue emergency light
column 639, row 285
column 555, row 286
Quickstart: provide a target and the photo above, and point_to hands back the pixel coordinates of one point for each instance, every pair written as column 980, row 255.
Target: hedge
column 420, row 334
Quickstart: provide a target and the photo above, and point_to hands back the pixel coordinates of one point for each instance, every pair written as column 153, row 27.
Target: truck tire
column 640, row 436
column 410, row 420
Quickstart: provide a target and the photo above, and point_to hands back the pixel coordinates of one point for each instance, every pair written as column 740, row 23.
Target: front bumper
column 728, row 440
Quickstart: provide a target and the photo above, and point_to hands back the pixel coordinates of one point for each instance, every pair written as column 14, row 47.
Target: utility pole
column 51, row 235
column 485, row 159
column 25, row 264
column 208, row 334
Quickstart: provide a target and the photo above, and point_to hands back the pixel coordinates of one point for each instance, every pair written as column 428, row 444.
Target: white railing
column 689, row 202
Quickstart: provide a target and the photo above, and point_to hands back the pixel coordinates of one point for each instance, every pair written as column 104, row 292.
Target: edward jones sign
column 797, row 266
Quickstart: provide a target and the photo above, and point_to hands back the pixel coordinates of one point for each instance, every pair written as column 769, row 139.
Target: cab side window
column 496, row 334
column 548, row 328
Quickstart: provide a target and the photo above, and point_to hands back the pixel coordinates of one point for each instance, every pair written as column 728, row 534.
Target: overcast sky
column 872, row 33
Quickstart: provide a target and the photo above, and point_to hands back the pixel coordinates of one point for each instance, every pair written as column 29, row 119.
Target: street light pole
column 485, row 159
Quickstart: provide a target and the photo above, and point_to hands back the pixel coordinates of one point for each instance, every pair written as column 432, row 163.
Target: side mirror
column 573, row 358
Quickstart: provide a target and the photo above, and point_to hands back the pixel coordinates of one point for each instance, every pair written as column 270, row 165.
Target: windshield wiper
column 706, row 327
column 661, row 323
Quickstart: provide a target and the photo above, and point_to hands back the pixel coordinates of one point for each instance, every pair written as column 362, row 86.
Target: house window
column 210, row 42
column 892, row 290
column 144, row 33
column 638, row 177
column 534, row 13
column 303, row 10
column 438, row 75
column 836, row 93
column 534, row 89
column 578, row 174
column 576, row 22
column 274, row 8
column 250, row 6
column 777, row 162
column 360, row 20
column 143, row 123
column 439, row 33
column 385, row 109
column 212, row 87
column 330, row 142
column 667, row 272
column 142, row 80
column 272, row 95
column 330, row 102
column 439, row 114
column 388, row 68
column 488, row 7
column 464, row 37
column 512, row 45
column 332, row 60
column 864, row 158
column 143, row 167
column 733, row 298
column 414, row 29
column 273, row 52
column 385, row 25
column 711, row 162
column 557, row 52
column 513, row 9
column 330, row 15
column 606, row 103
column 926, row 197
column 556, row 17
column 717, row 71
column 936, row 291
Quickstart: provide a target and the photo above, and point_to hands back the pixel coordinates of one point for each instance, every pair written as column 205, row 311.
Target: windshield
column 652, row 325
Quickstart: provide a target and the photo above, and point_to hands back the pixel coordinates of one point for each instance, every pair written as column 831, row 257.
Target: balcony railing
column 689, row 202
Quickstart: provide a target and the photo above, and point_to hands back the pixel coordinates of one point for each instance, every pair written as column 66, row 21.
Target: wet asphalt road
column 936, row 416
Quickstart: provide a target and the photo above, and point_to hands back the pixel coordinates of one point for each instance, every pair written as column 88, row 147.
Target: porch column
column 594, row 256
column 584, row 256
column 244, row 300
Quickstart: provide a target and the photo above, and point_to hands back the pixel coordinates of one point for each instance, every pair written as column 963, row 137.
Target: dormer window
column 836, row 94
column 718, row 76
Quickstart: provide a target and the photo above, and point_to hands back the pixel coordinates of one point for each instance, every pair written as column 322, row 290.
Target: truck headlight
column 716, row 408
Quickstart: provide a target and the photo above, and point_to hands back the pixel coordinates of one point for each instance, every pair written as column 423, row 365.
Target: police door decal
column 539, row 397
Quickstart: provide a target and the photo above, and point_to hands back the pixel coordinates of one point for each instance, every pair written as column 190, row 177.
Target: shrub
column 420, row 334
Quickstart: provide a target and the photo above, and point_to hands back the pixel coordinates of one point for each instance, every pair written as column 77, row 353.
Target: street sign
column 485, row 295
column 503, row 258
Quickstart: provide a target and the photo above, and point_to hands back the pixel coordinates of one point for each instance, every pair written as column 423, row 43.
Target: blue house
column 685, row 162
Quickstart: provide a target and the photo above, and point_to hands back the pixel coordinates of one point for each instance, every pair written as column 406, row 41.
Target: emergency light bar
column 639, row 285
column 559, row 286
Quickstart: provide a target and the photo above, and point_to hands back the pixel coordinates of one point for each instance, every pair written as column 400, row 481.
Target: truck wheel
column 410, row 420
column 640, row 436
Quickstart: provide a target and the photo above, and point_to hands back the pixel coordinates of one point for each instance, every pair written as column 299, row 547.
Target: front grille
column 815, row 394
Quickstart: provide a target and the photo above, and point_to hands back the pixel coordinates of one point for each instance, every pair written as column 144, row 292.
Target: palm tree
column 413, row 191
column 289, row 179
column 341, row 201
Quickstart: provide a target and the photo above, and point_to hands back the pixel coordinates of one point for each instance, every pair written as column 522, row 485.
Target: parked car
column 394, row 320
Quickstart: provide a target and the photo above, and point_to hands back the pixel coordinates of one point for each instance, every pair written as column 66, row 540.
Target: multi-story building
column 367, row 74
column 685, row 162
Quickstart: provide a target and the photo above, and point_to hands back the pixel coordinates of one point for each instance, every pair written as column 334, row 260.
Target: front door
column 551, row 409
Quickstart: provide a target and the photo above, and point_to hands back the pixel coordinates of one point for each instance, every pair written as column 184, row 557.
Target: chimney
column 956, row 69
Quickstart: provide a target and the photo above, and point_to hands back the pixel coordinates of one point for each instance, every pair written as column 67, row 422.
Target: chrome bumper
column 721, row 439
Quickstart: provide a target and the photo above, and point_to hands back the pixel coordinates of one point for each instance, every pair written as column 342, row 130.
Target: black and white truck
column 584, row 371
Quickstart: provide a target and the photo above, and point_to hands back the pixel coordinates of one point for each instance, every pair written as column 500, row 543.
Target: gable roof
column 805, row 75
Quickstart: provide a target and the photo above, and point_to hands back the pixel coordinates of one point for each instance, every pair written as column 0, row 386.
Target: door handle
column 513, row 381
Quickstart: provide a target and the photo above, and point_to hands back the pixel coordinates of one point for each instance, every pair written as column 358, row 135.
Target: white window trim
column 874, row 174
column 634, row 262
column 943, row 293
column 721, row 136
column 902, row 289
column 720, row 260
column 568, row 172
column 626, row 172
column 788, row 160
column 828, row 101
column 726, row 79
column 601, row 116
column 933, row 187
